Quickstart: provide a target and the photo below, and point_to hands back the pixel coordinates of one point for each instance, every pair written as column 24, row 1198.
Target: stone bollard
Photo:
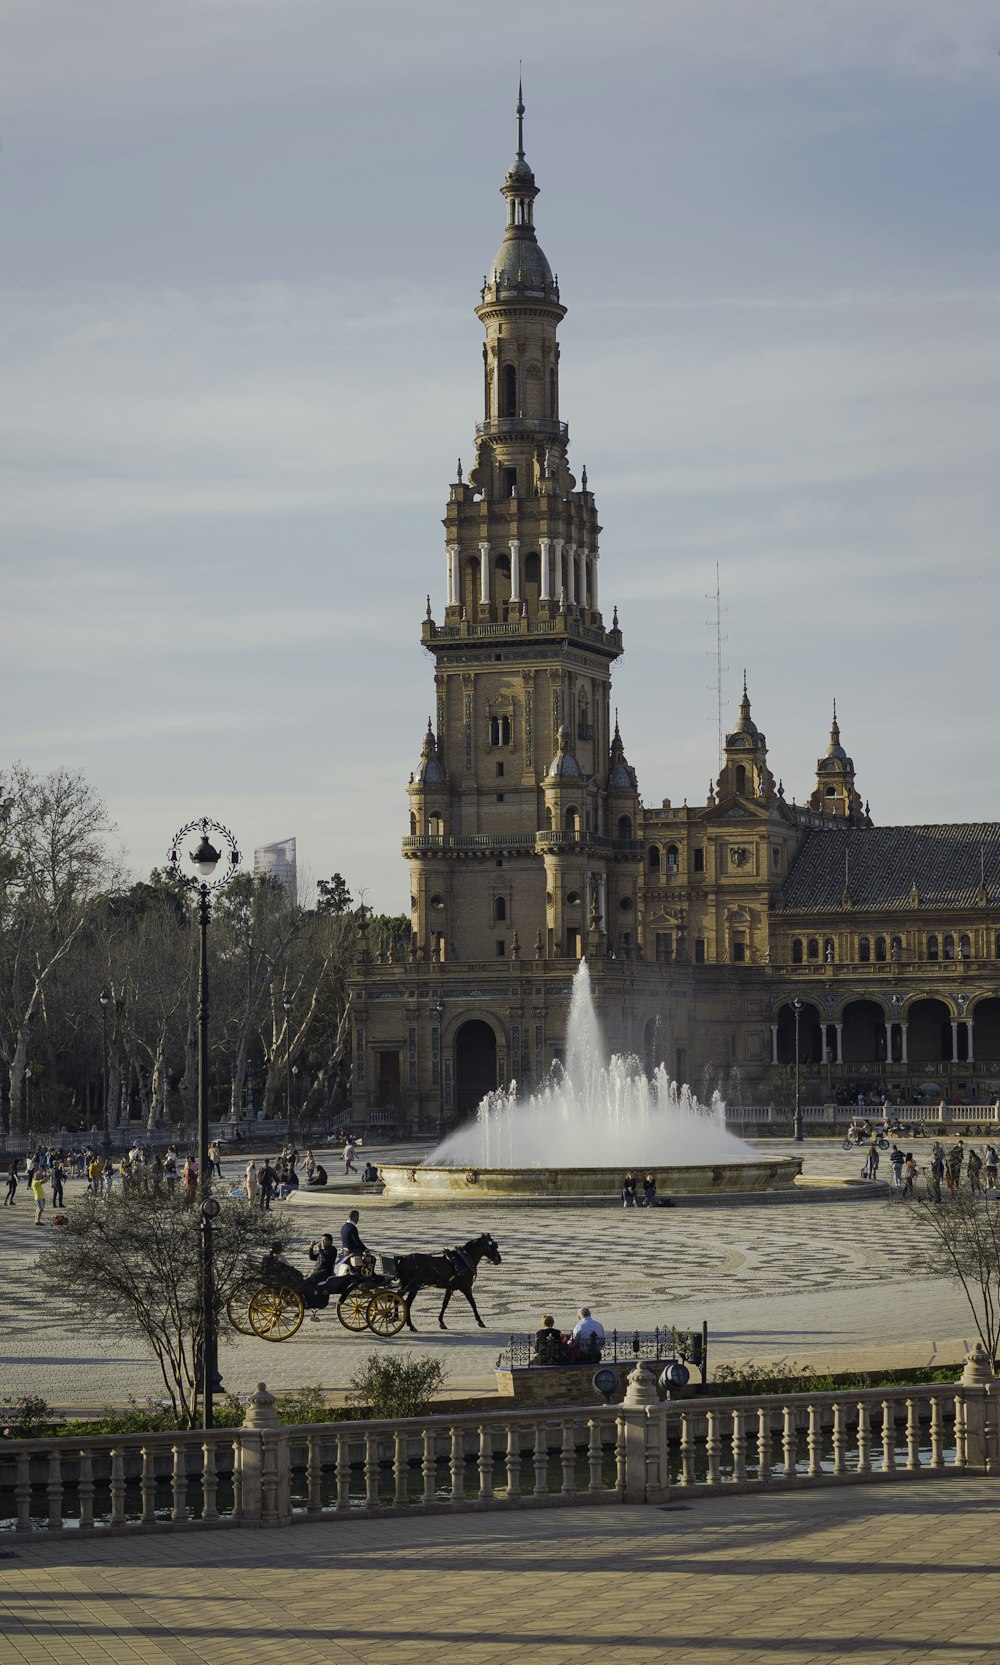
column 980, row 1395
column 265, row 1473
column 642, row 1425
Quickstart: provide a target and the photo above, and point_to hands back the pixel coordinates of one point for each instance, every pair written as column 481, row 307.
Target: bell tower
column 522, row 656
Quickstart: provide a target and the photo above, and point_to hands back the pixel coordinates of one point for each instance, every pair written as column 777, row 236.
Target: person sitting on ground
column 587, row 1337
column 369, row 1174
column 318, row 1175
column 548, row 1343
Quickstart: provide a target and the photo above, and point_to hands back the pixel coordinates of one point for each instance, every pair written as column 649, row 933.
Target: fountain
column 577, row 1135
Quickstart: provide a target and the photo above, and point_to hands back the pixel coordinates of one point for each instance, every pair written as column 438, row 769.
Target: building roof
column 895, row 869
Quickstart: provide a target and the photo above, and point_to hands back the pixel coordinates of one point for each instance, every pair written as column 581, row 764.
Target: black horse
column 455, row 1269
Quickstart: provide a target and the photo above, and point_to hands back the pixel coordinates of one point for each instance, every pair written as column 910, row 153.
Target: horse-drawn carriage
column 274, row 1298
column 273, row 1302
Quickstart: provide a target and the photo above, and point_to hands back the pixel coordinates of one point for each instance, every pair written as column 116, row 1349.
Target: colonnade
column 890, row 1024
column 580, row 573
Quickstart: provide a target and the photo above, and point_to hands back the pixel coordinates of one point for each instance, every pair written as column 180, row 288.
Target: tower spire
column 520, row 117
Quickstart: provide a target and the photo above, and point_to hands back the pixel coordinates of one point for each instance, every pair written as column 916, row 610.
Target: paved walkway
column 878, row 1575
column 824, row 1283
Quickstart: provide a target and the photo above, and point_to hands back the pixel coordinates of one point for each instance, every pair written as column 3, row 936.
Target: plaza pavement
column 877, row 1575
column 829, row 1283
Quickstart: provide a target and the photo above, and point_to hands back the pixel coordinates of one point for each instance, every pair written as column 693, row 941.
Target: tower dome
column 564, row 763
column 519, row 263
column 429, row 770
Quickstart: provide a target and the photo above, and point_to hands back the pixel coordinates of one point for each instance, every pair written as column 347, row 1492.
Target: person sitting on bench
column 548, row 1343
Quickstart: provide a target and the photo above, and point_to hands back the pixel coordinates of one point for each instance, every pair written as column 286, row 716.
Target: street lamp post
column 205, row 860
column 797, row 1122
column 105, row 1000
column 289, row 1130
column 441, row 1128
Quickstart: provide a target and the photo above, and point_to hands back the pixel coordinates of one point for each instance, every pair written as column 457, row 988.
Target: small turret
column 745, row 773
column 835, row 792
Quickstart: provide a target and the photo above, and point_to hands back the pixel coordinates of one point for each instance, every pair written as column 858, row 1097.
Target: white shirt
column 585, row 1327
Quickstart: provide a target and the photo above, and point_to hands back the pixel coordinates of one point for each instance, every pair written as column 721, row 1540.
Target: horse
column 455, row 1269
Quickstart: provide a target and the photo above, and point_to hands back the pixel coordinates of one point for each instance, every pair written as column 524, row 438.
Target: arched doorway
column 928, row 1032
column 986, row 1030
column 810, row 1035
column 864, row 1033
column 475, row 1064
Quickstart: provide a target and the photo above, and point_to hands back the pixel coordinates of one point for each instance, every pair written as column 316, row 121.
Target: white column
column 484, row 572
column 515, row 570
column 840, row 1042
column 593, row 582
column 571, row 574
column 774, row 1043
column 543, row 544
column 902, row 1042
column 452, row 574
column 557, row 575
column 954, row 1040
column 968, row 1031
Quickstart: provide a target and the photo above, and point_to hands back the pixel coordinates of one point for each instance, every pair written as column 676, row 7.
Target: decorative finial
column 520, row 115
column 583, row 478
column 781, row 789
column 614, row 618
column 744, row 682
column 428, row 607
column 459, row 474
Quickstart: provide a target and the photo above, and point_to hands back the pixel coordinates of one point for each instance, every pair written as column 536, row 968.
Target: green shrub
column 394, row 1386
column 26, row 1418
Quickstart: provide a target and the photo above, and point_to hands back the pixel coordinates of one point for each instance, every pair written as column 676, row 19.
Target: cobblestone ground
column 878, row 1575
column 815, row 1281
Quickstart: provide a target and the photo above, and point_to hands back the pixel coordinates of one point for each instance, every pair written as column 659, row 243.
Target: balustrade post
column 979, row 1391
column 257, row 1461
column 640, row 1423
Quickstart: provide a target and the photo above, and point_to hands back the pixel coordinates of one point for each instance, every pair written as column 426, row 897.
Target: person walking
column 58, row 1176
column 909, row 1175
column 896, row 1160
column 250, row 1181
column 214, row 1160
column 190, row 1178
column 265, row 1184
column 870, row 1169
column 350, row 1152
column 974, row 1167
column 936, row 1172
column 953, row 1173
column 38, row 1192
column 991, row 1167
column 11, row 1184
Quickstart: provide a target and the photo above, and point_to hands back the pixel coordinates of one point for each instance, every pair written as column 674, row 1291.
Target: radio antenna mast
column 719, row 667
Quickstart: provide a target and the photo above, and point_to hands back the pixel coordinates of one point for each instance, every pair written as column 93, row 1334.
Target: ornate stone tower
column 510, row 831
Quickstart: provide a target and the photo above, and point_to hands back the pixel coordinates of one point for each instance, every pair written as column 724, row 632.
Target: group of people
column 581, row 1345
column 36, row 1172
column 630, row 1188
column 946, row 1168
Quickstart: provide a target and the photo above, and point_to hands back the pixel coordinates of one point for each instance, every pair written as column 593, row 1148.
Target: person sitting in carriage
column 352, row 1250
column 325, row 1256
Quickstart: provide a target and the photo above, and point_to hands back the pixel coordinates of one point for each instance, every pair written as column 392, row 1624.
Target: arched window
column 996, row 946
column 864, row 950
column 499, row 731
column 674, row 861
column 932, row 948
column 571, row 820
column 880, row 948
column 964, row 947
column 797, row 951
column 413, row 825
column 500, row 908
column 508, row 390
column 624, row 827
column 435, row 826
column 653, row 859
column 553, row 395
column 949, row 947
column 741, row 777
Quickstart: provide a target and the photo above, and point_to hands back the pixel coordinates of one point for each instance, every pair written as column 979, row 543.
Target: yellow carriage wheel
column 275, row 1314
column 238, row 1309
column 386, row 1312
column 352, row 1309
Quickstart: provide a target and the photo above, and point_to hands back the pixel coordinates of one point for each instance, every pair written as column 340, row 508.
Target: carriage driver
column 350, row 1238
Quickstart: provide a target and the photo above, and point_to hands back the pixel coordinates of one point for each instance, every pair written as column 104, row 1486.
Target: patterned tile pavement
column 807, row 1280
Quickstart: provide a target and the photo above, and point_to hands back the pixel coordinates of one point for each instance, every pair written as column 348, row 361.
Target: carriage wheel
column 352, row 1309
column 238, row 1309
column 386, row 1312
column 275, row 1314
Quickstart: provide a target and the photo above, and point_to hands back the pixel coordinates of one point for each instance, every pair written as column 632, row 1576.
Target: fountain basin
column 699, row 1179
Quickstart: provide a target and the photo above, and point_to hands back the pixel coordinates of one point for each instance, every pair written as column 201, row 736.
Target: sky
column 241, row 245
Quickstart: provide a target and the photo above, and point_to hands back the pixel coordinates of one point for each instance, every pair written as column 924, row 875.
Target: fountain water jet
column 578, row 1133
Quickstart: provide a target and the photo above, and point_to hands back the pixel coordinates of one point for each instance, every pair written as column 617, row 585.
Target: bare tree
column 133, row 1260
column 54, row 859
column 960, row 1239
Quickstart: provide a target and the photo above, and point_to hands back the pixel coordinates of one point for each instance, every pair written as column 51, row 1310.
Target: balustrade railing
column 640, row 1451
